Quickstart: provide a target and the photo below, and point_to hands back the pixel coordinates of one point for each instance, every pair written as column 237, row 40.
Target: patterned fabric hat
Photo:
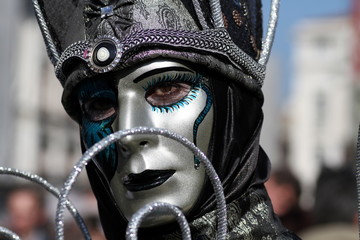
column 89, row 37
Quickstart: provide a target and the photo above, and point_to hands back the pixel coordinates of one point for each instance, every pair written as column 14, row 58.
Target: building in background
column 46, row 139
column 36, row 134
column 355, row 17
column 323, row 122
column 272, row 132
column 8, row 27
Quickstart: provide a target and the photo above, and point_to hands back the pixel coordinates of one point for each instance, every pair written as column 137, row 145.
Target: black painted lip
column 146, row 180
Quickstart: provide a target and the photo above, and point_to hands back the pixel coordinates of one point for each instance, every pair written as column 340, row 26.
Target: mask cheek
column 106, row 160
column 205, row 131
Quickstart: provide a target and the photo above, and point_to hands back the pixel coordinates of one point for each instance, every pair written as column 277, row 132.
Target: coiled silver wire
column 53, row 53
column 139, row 216
column 270, row 35
column 6, row 234
column 200, row 14
column 216, row 13
column 358, row 178
column 51, row 189
column 98, row 147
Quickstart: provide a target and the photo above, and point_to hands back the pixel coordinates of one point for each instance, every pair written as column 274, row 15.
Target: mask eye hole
column 98, row 109
column 167, row 93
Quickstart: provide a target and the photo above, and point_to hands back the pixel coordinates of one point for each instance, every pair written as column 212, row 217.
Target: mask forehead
column 160, row 65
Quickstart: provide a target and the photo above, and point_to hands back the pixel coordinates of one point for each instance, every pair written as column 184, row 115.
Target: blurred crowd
column 333, row 215
column 29, row 211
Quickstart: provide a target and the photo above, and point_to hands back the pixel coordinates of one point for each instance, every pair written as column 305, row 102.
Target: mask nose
column 132, row 150
column 133, row 111
column 134, row 143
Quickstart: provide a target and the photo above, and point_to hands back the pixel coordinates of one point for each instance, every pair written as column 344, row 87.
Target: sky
column 291, row 13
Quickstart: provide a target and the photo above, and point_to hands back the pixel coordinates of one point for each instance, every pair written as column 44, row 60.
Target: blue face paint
column 191, row 79
column 200, row 118
column 90, row 93
column 196, row 82
column 94, row 94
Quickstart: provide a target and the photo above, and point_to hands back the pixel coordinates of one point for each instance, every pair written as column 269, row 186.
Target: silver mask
column 149, row 168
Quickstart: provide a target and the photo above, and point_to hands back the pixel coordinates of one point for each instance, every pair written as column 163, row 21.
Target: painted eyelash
column 184, row 78
column 182, row 103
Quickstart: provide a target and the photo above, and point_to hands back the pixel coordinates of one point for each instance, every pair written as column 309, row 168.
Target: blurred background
column 312, row 113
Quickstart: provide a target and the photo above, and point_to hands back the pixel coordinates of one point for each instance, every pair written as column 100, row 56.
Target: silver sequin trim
column 6, row 234
column 214, row 41
column 267, row 44
column 139, row 216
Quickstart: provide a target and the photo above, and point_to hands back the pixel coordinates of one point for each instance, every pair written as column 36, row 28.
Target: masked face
column 143, row 169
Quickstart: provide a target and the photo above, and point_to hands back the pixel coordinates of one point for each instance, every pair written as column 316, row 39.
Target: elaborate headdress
column 109, row 35
column 90, row 38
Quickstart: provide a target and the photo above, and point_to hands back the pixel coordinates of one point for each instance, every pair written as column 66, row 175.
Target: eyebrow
column 160, row 70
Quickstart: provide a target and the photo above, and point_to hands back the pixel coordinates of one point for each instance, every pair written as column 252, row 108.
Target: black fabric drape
column 234, row 149
column 234, row 152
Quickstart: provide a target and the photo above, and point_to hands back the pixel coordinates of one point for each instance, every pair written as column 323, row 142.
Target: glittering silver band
column 6, row 234
column 139, row 216
column 358, row 178
column 200, row 14
column 98, row 147
column 226, row 48
column 216, row 13
column 50, row 45
column 54, row 191
column 213, row 41
column 268, row 42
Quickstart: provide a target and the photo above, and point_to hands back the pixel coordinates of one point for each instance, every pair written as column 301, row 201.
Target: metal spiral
column 50, row 44
column 358, row 178
column 98, row 147
column 139, row 216
column 51, row 189
column 6, row 234
column 216, row 13
column 270, row 35
column 200, row 14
